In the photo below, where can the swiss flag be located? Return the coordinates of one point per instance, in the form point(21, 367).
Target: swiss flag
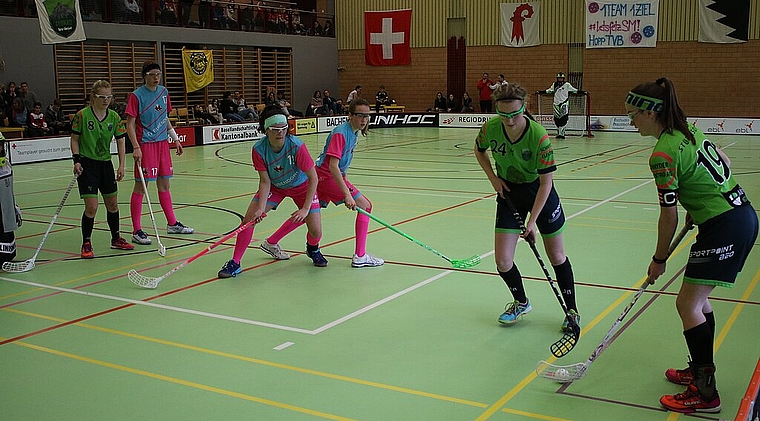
point(386, 37)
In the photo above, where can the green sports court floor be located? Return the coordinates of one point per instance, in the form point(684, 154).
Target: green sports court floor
point(415, 339)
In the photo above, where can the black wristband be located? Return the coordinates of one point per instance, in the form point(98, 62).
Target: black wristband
point(77, 158)
point(659, 261)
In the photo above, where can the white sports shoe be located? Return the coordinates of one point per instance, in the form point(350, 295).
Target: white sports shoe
point(274, 250)
point(178, 228)
point(367, 260)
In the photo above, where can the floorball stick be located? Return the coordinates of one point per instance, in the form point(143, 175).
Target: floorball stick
point(161, 248)
point(568, 373)
point(27, 265)
point(567, 342)
point(152, 283)
point(460, 264)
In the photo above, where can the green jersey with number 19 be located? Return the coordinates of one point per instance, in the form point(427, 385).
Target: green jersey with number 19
point(522, 161)
point(695, 175)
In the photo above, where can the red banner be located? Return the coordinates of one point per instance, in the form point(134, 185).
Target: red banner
point(386, 38)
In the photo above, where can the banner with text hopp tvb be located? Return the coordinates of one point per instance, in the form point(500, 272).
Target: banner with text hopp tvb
point(613, 24)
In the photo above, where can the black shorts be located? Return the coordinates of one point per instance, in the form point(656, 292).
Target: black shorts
point(96, 175)
point(551, 220)
point(722, 247)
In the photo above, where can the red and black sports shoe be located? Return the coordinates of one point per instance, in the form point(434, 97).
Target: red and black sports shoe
point(87, 250)
point(690, 401)
point(682, 377)
point(121, 244)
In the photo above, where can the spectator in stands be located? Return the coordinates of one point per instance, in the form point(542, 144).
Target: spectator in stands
point(501, 81)
point(285, 105)
point(185, 7)
point(467, 103)
point(340, 109)
point(36, 122)
point(231, 16)
point(381, 98)
point(259, 16)
point(120, 106)
point(228, 108)
point(317, 106)
point(9, 95)
point(4, 106)
point(328, 101)
point(316, 29)
point(485, 93)
point(298, 28)
point(439, 105)
point(167, 12)
point(29, 97)
point(271, 14)
point(55, 119)
point(271, 99)
point(356, 93)
point(328, 29)
point(19, 114)
point(242, 108)
point(203, 116)
point(204, 13)
point(213, 110)
point(452, 105)
point(132, 11)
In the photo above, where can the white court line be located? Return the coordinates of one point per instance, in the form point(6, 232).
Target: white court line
point(282, 346)
point(290, 328)
point(161, 306)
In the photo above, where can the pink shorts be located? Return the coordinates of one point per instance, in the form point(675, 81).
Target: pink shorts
point(156, 161)
point(328, 191)
point(298, 194)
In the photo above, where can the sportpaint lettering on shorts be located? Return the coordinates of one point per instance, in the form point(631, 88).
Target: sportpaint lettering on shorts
point(722, 252)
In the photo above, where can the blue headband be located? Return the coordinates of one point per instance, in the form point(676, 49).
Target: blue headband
point(275, 119)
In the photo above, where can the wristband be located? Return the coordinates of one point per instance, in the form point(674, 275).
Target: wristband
point(76, 158)
point(659, 261)
point(173, 134)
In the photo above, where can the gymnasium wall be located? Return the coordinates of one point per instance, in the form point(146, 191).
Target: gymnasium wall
point(27, 59)
point(712, 79)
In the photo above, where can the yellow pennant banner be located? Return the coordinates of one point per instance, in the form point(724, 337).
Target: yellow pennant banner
point(199, 68)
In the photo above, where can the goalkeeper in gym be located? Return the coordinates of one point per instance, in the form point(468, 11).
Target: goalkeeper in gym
point(561, 90)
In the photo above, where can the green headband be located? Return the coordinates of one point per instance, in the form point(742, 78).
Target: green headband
point(513, 113)
point(644, 102)
point(275, 119)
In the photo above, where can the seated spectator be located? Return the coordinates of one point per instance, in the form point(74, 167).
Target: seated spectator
point(467, 103)
point(285, 105)
point(213, 110)
point(271, 99)
point(328, 31)
point(55, 119)
point(439, 105)
point(201, 114)
point(19, 114)
point(228, 108)
point(452, 105)
point(298, 28)
point(340, 109)
point(317, 106)
point(242, 108)
point(316, 29)
point(329, 102)
point(11, 92)
point(36, 125)
point(381, 98)
point(271, 20)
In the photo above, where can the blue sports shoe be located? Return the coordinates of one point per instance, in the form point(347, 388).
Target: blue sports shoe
point(317, 258)
point(513, 311)
point(229, 270)
point(576, 318)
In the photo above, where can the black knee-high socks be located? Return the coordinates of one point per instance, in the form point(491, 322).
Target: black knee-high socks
point(514, 282)
point(699, 340)
point(566, 282)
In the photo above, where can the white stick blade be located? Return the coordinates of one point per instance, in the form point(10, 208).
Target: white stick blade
point(142, 280)
point(561, 374)
point(161, 250)
point(19, 267)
